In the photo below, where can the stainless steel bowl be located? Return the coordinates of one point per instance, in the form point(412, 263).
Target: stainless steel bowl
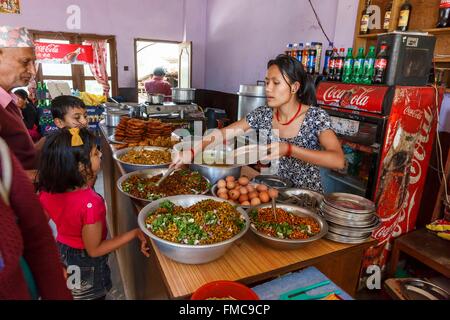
point(273, 181)
point(130, 167)
point(189, 254)
point(205, 164)
point(214, 193)
point(287, 244)
point(302, 197)
point(215, 173)
point(145, 174)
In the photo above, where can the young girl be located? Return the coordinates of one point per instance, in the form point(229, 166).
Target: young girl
point(70, 161)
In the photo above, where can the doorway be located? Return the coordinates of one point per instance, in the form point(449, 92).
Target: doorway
point(174, 57)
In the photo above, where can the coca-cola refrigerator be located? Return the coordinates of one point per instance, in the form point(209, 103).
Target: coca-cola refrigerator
point(387, 134)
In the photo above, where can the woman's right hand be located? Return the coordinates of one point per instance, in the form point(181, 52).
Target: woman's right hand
point(181, 157)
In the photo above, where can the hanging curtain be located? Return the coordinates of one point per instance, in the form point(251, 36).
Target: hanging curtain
point(98, 68)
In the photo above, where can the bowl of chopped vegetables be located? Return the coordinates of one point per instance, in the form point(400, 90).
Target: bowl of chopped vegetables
point(193, 229)
point(141, 185)
point(290, 227)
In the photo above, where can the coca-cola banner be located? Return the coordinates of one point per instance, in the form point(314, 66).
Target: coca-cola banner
point(404, 164)
point(64, 53)
point(352, 96)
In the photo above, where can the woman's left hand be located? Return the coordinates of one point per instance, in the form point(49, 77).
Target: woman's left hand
point(276, 150)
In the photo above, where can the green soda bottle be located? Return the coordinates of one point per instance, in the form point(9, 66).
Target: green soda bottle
point(358, 67)
point(348, 66)
point(369, 69)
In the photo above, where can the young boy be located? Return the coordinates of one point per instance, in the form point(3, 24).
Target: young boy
point(69, 112)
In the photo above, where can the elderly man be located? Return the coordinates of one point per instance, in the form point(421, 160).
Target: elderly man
point(17, 68)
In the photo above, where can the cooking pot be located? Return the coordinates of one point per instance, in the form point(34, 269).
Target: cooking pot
point(155, 98)
point(112, 116)
point(183, 95)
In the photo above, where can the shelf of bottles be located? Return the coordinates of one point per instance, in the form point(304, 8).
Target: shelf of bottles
point(362, 69)
point(46, 123)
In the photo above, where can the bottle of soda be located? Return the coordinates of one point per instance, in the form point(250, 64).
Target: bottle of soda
point(311, 69)
point(305, 55)
point(300, 51)
point(348, 66)
point(339, 66)
point(333, 58)
point(444, 14)
point(381, 64)
point(326, 63)
point(358, 67)
point(288, 49)
point(294, 51)
point(404, 17)
point(365, 18)
point(368, 66)
point(318, 47)
point(387, 16)
point(39, 91)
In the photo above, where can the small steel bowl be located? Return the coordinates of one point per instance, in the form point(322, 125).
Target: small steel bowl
point(145, 174)
point(184, 253)
point(302, 197)
point(287, 244)
point(130, 167)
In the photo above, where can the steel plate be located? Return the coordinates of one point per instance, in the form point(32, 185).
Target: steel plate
point(349, 202)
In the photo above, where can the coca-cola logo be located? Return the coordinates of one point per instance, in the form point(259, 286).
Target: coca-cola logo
point(414, 113)
point(49, 48)
point(359, 98)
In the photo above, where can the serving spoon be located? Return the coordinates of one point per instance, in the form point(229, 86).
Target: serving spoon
point(165, 175)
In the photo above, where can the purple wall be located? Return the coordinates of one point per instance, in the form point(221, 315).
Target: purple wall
point(243, 35)
point(151, 19)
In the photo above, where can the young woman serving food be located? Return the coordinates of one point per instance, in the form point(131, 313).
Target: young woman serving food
point(299, 134)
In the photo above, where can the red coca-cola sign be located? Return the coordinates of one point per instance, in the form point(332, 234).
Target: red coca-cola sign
point(444, 4)
point(349, 96)
point(64, 53)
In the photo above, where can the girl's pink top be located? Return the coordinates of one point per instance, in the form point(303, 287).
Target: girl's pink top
point(71, 211)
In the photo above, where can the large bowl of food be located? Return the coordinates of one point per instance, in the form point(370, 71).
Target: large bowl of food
point(141, 185)
point(141, 158)
point(193, 229)
point(290, 227)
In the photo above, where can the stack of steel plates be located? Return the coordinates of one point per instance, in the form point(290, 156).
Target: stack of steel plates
point(350, 218)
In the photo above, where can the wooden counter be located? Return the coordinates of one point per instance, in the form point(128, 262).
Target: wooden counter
point(247, 261)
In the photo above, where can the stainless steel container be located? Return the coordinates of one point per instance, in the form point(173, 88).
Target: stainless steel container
point(112, 116)
point(130, 167)
point(155, 98)
point(250, 98)
point(183, 95)
point(286, 244)
point(184, 253)
point(208, 164)
point(149, 173)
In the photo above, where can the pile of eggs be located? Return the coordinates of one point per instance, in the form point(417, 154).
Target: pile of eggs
point(244, 193)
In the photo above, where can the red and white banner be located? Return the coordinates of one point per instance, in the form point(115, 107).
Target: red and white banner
point(352, 96)
point(64, 53)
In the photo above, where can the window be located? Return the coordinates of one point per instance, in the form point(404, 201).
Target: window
point(79, 77)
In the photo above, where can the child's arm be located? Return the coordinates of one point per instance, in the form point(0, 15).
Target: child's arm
point(96, 247)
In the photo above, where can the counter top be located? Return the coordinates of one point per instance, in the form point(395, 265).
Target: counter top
point(249, 261)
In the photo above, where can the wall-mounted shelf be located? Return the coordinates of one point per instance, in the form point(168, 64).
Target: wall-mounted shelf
point(438, 31)
point(369, 36)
